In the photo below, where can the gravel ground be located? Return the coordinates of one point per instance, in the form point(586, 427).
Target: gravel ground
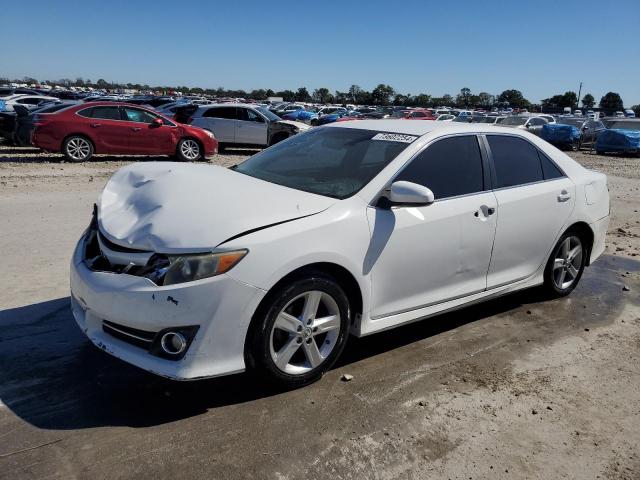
point(513, 388)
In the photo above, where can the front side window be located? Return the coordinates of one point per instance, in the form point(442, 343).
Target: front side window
point(137, 115)
point(249, 115)
point(449, 167)
point(335, 162)
point(516, 161)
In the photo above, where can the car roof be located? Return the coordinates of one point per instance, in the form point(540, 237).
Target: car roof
point(418, 128)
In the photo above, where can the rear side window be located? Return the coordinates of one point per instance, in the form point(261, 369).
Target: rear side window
point(549, 169)
point(449, 167)
point(104, 113)
point(221, 112)
point(516, 161)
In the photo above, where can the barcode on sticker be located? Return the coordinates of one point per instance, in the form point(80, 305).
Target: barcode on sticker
point(394, 137)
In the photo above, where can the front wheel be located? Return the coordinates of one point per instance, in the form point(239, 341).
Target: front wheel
point(188, 150)
point(300, 332)
point(565, 266)
point(77, 149)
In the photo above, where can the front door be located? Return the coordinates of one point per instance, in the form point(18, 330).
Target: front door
point(146, 138)
point(251, 127)
point(535, 199)
point(420, 256)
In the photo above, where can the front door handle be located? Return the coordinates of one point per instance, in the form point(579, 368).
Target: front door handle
point(564, 196)
point(96, 125)
point(485, 211)
point(135, 129)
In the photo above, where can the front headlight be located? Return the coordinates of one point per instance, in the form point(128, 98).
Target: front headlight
point(187, 268)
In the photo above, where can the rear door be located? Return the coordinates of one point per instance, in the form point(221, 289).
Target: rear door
point(251, 127)
point(221, 120)
point(535, 200)
point(106, 128)
point(146, 138)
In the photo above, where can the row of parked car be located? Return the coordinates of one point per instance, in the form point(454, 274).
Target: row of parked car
point(164, 125)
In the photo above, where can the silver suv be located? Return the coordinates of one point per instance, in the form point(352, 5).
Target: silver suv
point(239, 124)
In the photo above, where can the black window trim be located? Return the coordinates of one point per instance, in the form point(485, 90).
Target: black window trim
point(91, 107)
point(494, 177)
point(487, 182)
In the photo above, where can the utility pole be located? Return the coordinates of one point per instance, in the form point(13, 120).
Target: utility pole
point(579, 92)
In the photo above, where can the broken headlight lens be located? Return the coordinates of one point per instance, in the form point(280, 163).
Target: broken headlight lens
point(187, 268)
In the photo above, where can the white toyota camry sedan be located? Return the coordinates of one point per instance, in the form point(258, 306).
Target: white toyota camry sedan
point(193, 270)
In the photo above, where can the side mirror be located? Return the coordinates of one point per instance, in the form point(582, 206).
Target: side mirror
point(157, 122)
point(409, 193)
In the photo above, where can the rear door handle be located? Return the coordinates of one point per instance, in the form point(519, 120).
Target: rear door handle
point(136, 129)
point(564, 196)
point(486, 211)
point(96, 125)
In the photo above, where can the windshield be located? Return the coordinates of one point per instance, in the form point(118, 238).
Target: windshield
point(268, 113)
point(335, 162)
point(514, 121)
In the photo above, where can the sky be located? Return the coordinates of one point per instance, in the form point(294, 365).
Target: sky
point(539, 47)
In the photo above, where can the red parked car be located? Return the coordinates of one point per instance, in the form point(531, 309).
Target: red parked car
point(119, 128)
point(419, 114)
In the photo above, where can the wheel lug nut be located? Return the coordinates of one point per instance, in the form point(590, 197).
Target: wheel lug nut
point(308, 341)
point(309, 322)
point(315, 329)
point(299, 328)
point(299, 340)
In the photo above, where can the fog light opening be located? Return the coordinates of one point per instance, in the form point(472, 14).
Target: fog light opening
point(173, 343)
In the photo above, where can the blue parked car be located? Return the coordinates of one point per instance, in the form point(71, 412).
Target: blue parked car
point(306, 116)
point(561, 135)
point(622, 135)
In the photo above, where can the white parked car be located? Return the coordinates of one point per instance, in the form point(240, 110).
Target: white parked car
point(29, 101)
point(193, 270)
point(445, 117)
point(240, 124)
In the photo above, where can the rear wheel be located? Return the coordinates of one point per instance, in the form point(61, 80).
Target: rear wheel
point(566, 264)
point(77, 149)
point(300, 332)
point(188, 150)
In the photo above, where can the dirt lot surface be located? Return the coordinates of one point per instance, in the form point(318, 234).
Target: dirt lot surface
point(516, 388)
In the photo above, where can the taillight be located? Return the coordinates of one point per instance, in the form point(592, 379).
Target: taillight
point(39, 120)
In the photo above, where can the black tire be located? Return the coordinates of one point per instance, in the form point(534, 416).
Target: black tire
point(599, 152)
point(278, 137)
point(78, 148)
point(556, 283)
point(189, 150)
point(221, 147)
point(262, 334)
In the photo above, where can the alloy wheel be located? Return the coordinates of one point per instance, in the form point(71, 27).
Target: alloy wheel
point(78, 148)
point(567, 262)
point(190, 149)
point(305, 332)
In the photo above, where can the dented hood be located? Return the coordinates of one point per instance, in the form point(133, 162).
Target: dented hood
point(172, 207)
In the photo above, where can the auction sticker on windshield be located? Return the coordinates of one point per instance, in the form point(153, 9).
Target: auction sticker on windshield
point(394, 137)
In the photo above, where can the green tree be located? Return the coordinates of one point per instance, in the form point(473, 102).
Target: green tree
point(485, 99)
point(354, 92)
point(322, 95)
point(302, 95)
point(513, 98)
point(463, 98)
point(381, 94)
point(588, 101)
point(611, 102)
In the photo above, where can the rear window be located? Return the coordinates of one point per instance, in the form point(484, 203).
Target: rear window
point(516, 161)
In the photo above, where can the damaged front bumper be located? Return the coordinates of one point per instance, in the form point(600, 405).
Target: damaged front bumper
point(123, 314)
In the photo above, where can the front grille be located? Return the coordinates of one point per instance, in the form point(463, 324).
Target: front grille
point(133, 336)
